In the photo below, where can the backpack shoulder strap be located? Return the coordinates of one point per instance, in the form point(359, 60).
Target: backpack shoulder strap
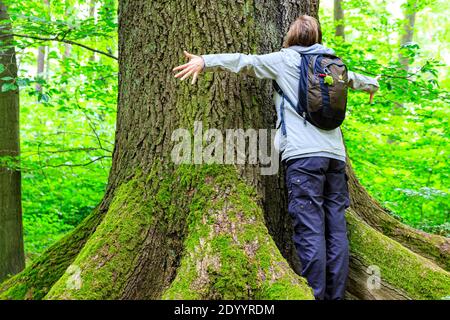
point(303, 83)
point(281, 93)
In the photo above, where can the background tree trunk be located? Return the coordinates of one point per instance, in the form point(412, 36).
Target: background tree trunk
point(40, 64)
point(211, 231)
point(92, 15)
point(41, 55)
point(408, 30)
point(339, 19)
point(68, 47)
point(11, 240)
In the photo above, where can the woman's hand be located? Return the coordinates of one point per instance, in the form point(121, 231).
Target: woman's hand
point(373, 93)
point(193, 67)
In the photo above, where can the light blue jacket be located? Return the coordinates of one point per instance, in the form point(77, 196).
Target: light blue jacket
point(283, 67)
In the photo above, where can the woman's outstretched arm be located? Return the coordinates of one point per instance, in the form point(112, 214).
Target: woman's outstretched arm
point(261, 66)
point(264, 66)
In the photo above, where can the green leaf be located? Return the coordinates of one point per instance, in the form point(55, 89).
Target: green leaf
point(42, 97)
point(9, 87)
point(22, 82)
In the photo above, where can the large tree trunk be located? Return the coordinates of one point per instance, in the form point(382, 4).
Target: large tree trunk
point(11, 240)
point(210, 231)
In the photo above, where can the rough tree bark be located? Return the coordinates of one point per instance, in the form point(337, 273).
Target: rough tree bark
point(11, 240)
point(210, 231)
point(338, 15)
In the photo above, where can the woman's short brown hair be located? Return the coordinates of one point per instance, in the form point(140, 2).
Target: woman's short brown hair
point(304, 31)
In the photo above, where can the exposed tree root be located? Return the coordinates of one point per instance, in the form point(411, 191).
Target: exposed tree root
point(200, 233)
point(403, 273)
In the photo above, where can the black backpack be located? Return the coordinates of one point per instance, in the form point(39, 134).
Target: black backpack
point(322, 91)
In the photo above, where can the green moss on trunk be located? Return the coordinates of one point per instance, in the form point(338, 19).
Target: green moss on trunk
point(229, 253)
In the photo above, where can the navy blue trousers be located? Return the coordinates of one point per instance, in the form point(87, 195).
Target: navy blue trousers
point(318, 196)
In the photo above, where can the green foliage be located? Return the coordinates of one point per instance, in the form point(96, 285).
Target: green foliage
point(67, 113)
point(399, 144)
